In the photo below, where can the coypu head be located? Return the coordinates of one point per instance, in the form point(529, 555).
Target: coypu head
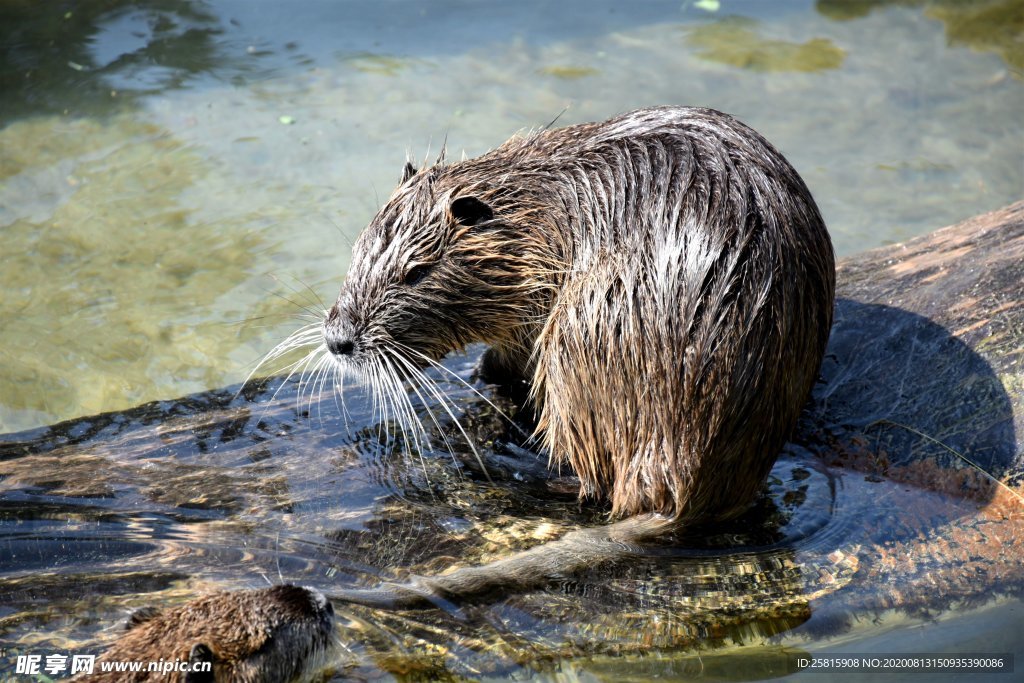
point(281, 633)
point(439, 267)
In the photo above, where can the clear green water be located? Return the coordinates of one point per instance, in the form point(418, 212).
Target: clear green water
point(161, 224)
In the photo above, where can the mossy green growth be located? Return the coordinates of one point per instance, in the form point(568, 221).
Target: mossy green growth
point(381, 65)
point(984, 25)
point(569, 73)
point(735, 42)
point(110, 284)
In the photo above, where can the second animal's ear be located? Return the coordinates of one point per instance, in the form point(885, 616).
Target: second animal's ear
point(140, 616)
point(408, 172)
point(200, 654)
point(470, 211)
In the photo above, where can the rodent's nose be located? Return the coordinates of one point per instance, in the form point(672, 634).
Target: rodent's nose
point(339, 344)
point(339, 332)
point(343, 347)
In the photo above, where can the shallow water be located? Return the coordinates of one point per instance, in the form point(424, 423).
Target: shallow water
point(180, 181)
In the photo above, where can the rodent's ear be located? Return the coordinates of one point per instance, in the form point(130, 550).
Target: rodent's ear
point(408, 172)
point(470, 211)
point(200, 653)
point(140, 616)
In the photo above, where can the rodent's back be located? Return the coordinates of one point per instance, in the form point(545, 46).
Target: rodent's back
point(693, 315)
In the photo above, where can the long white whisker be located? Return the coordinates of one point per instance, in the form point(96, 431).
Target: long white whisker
point(382, 423)
point(317, 384)
point(414, 423)
point(416, 377)
point(469, 441)
point(303, 336)
point(417, 381)
point(451, 373)
point(395, 393)
point(311, 308)
point(292, 368)
point(304, 377)
point(315, 301)
point(328, 383)
point(294, 343)
point(338, 390)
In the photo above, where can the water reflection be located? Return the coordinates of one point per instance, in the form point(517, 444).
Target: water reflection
point(104, 53)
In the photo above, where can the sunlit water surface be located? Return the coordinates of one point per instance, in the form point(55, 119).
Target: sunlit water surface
point(180, 181)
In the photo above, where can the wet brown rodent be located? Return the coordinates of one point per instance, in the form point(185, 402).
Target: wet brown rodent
point(662, 281)
point(269, 635)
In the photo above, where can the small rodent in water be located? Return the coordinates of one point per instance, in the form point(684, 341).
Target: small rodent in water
point(269, 635)
point(662, 281)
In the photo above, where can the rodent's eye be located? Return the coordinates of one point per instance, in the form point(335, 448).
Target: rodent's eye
point(416, 274)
